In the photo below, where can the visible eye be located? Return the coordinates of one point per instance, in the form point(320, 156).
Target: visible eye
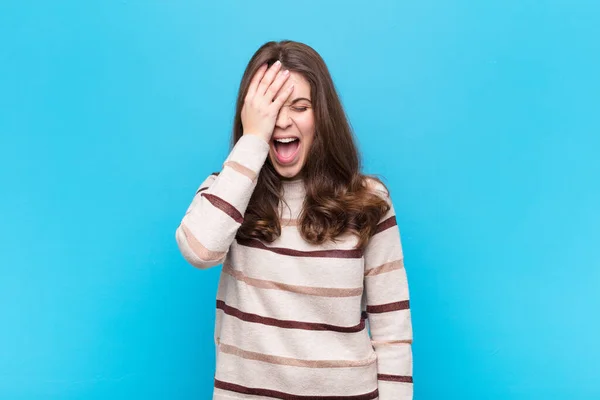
point(300, 109)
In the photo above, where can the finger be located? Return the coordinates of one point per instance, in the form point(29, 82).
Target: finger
point(266, 81)
point(283, 96)
point(272, 91)
point(260, 72)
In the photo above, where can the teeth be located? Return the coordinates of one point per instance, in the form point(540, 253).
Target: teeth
point(286, 140)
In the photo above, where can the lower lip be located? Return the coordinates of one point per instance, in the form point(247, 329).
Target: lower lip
point(288, 160)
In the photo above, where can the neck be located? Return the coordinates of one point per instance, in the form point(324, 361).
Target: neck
point(293, 188)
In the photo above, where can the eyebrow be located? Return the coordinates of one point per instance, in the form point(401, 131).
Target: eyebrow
point(298, 99)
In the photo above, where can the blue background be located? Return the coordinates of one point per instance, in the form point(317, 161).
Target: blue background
point(481, 116)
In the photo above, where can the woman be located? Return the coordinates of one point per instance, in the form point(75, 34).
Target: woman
point(311, 253)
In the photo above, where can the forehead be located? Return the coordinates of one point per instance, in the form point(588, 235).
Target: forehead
point(301, 86)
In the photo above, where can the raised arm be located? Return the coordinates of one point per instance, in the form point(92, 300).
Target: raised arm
point(217, 210)
point(210, 223)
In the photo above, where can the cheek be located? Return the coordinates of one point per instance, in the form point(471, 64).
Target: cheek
point(308, 141)
point(307, 127)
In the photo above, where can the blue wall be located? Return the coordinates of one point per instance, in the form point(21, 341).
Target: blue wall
point(482, 117)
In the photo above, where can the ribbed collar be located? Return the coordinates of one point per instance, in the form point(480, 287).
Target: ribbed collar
point(293, 189)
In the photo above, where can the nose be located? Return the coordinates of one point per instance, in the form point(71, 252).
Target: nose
point(283, 118)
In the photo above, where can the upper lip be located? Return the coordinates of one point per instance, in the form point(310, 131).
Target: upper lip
point(285, 137)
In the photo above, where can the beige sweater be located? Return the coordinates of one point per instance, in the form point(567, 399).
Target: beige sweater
point(295, 320)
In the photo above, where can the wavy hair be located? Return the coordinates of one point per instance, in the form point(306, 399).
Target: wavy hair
point(339, 198)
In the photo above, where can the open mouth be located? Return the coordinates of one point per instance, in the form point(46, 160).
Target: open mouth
point(286, 149)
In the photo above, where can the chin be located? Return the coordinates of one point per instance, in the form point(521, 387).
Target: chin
point(287, 172)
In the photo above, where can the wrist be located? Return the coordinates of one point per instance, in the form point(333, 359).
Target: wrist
point(264, 139)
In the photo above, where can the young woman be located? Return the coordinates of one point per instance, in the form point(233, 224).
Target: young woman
point(313, 300)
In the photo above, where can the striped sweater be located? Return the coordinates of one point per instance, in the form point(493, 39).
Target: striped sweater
point(296, 320)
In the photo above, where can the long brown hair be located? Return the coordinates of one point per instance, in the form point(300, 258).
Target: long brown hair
point(338, 197)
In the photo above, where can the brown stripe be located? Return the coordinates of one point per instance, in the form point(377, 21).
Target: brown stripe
point(352, 253)
point(390, 342)
point(310, 326)
point(202, 189)
point(399, 305)
point(388, 223)
point(387, 267)
point(395, 378)
point(289, 222)
point(295, 362)
point(288, 396)
point(224, 206)
point(216, 173)
point(241, 169)
point(202, 252)
point(309, 290)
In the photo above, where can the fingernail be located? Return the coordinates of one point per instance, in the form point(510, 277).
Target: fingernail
point(277, 63)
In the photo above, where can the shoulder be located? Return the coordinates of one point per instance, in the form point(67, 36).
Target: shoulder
point(376, 186)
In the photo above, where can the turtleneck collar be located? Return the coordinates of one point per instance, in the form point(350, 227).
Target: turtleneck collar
point(293, 189)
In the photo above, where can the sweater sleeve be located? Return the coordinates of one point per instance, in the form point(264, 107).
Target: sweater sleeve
point(387, 305)
point(217, 210)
